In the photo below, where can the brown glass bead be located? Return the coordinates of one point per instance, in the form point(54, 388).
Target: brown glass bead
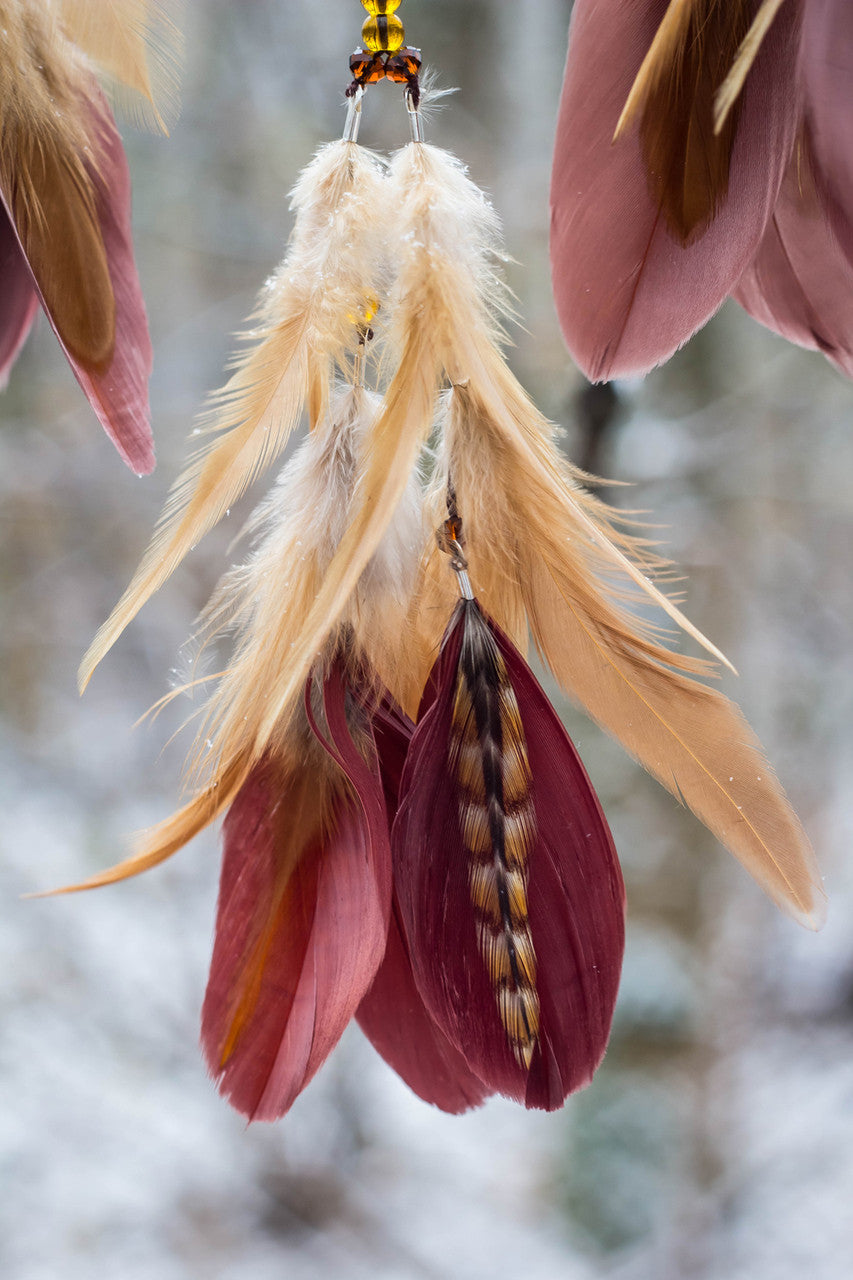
point(383, 35)
point(403, 66)
point(367, 68)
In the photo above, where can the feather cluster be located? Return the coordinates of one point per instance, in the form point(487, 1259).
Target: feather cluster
point(411, 838)
point(703, 151)
point(65, 237)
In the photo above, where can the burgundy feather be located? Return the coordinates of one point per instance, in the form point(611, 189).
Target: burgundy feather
point(18, 300)
point(297, 946)
point(117, 390)
point(393, 1015)
point(628, 293)
point(575, 893)
point(801, 282)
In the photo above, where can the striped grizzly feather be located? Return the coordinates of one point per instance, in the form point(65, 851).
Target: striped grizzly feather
point(488, 756)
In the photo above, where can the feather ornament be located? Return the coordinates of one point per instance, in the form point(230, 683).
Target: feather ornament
point(305, 323)
point(65, 193)
point(451, 883)
point(509, 887)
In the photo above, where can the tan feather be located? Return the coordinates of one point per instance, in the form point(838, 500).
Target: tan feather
point(138, 44)
point(732, 87)
point(687, 158)
point(307, 320)
point(529, 552)
point(45, 153)
point(265, 601)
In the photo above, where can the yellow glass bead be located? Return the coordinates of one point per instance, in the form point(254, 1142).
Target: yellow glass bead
point(381, 7)
point(383, 35)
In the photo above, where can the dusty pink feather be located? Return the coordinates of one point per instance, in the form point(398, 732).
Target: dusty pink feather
point(576, 898)
point(628, 293)
point(827, 71)
point(801, 281)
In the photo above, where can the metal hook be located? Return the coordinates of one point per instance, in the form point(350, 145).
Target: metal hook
point(353, 122)
point(415, 120)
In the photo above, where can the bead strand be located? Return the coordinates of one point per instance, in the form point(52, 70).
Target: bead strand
point(384, 56)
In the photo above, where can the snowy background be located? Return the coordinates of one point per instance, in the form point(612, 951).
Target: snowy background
point(717, 1140)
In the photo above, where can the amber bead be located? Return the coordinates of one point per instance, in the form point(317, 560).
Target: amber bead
point(383, 35)
point(378, 8)
point(367, 69)
point(404, 66)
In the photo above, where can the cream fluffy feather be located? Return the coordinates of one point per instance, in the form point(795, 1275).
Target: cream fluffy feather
point(306, 323)
point(262, 605)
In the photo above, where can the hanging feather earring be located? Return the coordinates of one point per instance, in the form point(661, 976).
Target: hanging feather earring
point(484, 951)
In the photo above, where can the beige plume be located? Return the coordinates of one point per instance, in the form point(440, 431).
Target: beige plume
point(137, 44)
point(307, 321)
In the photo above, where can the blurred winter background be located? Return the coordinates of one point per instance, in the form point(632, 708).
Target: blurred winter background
point(717, 1140)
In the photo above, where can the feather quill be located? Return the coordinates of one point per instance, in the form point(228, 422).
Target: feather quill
point(306, 321)
point(732, 87)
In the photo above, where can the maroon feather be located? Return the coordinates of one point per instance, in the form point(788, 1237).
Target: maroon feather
point(393, 1015)
point(18, 301)
point(628, 293)
point(801, 282)
point(297, 945)
point(118, 392)
point(575, 893)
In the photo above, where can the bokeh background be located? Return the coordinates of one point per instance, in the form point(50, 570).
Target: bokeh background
point(717, 1139)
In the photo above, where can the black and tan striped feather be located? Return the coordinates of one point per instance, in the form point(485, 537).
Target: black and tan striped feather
point(488, 756)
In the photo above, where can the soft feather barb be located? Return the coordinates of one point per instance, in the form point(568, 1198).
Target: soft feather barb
point(138, 45)
point(307, 321)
